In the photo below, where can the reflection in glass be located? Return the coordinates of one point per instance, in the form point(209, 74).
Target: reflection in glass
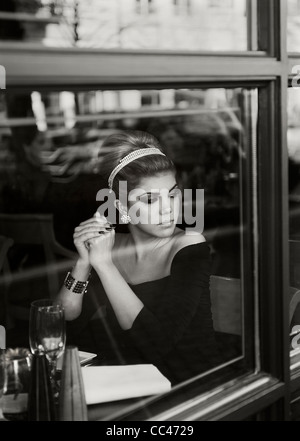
point(3, 381)
point(293, 27)
point(129, 24)
point(51, 144)
point(294, 210)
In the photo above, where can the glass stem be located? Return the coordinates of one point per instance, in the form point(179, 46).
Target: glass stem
point(53, 363)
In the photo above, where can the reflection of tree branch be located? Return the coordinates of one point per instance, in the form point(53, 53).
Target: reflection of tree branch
point(119, 31)
point(65, 28)
point(128, 25)
point(76, 22)
point(72, 17)
point(90, 34)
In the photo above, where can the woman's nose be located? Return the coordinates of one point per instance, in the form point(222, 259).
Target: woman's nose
point(165, 205)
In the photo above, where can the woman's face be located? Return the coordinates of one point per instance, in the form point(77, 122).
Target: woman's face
point(154, 205)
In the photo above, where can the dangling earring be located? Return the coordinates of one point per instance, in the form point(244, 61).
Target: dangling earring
point(125, 218)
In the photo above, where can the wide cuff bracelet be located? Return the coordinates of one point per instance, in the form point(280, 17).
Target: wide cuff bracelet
point(74, 285)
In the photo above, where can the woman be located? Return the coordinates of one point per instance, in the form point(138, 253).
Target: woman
point(154, 280)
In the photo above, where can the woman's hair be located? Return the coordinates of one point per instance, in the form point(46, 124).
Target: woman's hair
point(123, 143)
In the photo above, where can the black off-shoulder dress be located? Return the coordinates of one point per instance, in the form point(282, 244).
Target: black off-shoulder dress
point(174, 330)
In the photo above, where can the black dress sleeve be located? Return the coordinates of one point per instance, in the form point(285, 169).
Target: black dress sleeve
point(156, 332)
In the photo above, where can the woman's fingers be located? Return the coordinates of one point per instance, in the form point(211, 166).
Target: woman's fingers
point(101, 238)
point(93, 220)
point(92, 226)
point(85, 235)
point(91, 230)
point(97, 218)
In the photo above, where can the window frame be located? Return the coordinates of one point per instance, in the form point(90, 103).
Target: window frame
point(269, 388)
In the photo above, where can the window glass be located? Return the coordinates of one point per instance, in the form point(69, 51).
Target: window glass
point(51, 159)
point(293, 9)
point(294, 201)
point(130, 24)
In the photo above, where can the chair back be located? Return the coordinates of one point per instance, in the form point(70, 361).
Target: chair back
point(28, 229)
point(226, 301)
point(37, 229)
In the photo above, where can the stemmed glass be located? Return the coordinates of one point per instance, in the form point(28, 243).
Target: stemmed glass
point(47, 333)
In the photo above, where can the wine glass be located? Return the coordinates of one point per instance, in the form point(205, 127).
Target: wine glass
point(3, 382)
point(47, 333)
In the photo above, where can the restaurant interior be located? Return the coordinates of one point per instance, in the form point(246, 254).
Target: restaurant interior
point(217, 83)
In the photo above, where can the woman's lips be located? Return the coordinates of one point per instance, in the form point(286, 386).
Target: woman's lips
point(167, 223)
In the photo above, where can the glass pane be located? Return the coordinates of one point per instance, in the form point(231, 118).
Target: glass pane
point(52, 154)
point(294, 200)
point(293, 39)
point(209, 25)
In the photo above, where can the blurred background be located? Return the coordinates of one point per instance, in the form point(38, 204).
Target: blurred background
point(54, 118)
point(51, 136)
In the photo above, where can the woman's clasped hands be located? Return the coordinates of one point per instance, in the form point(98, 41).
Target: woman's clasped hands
point(94, 240)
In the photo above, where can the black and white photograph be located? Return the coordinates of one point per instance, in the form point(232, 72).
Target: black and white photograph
point(149, 213)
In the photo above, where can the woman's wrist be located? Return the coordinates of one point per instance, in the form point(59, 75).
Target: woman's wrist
point(81, 269)
point(104, 267)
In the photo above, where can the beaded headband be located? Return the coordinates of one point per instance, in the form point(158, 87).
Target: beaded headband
point(129, 158)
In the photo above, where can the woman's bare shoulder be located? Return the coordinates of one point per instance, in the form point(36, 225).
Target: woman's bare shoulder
point(183, 239)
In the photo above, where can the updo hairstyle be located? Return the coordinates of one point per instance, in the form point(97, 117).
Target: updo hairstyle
point(123, 143)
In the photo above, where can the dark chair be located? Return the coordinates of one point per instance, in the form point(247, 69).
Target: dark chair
point(30, 232)
point(226, 303)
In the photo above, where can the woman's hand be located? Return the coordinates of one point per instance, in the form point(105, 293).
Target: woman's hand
point(100, 247)
point(89, 230)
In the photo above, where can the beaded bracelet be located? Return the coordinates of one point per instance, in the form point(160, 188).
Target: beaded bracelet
point(74, 285)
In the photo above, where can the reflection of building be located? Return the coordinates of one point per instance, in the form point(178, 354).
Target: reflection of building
point(294, 124)
point(168, 24)
point(293, 25)
point(131, 24)
point(246, 215)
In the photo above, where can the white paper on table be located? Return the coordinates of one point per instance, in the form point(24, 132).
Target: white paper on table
point(112, 383)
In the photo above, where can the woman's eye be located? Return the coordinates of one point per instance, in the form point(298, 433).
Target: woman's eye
point(152, 199)
point(148, 199)
point(174, 193)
